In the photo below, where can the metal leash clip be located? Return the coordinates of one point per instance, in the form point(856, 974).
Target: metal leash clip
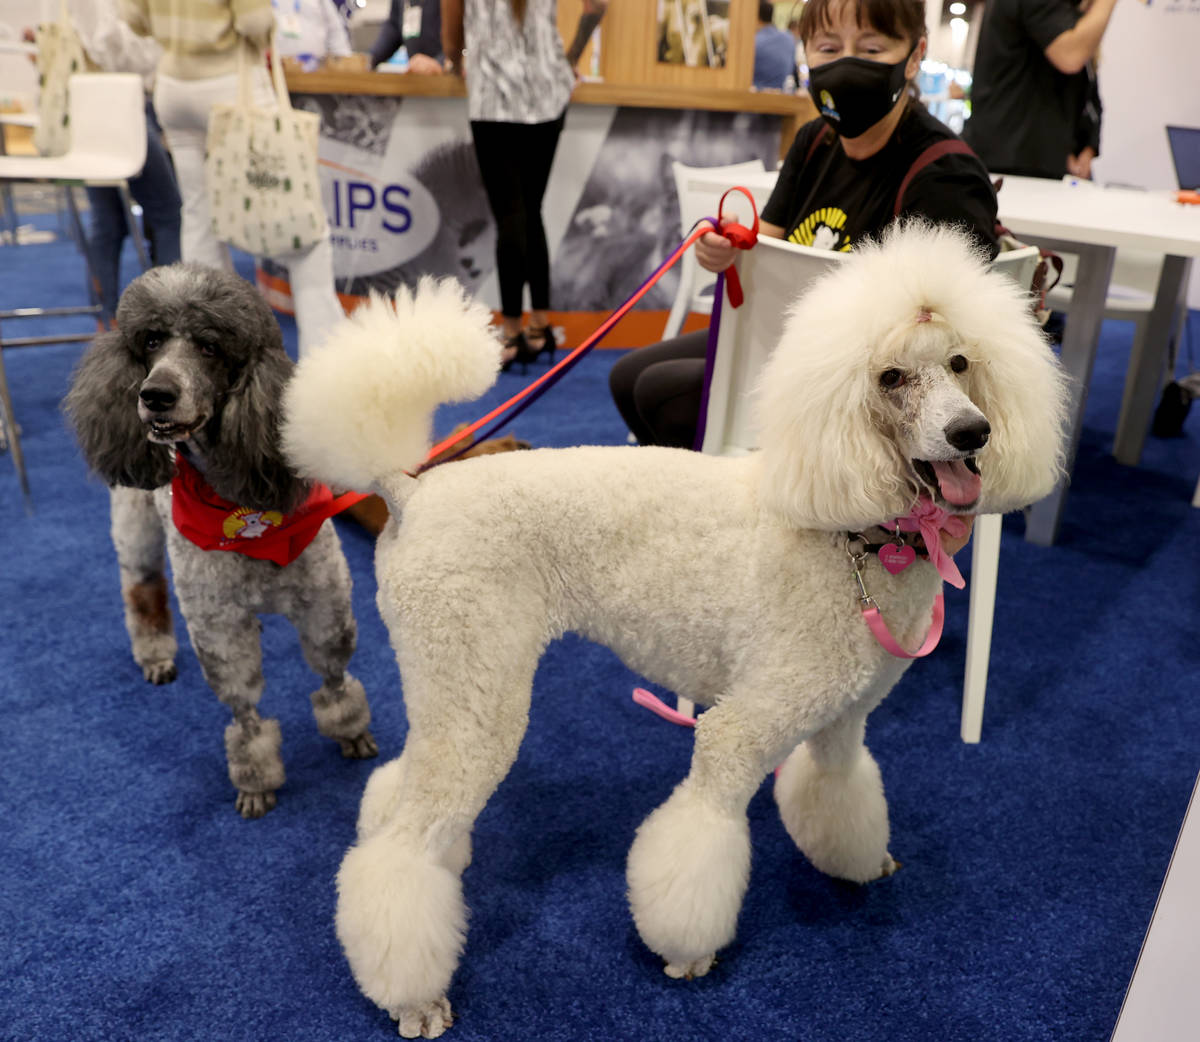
point(858, 561)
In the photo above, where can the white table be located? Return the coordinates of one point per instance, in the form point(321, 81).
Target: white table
point(1092, 222)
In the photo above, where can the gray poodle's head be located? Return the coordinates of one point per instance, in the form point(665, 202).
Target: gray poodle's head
point(196, 362)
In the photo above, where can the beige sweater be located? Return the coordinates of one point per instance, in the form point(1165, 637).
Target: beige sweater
point(200, 38)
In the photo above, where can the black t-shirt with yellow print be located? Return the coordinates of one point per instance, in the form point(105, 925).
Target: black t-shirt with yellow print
point(832, 201)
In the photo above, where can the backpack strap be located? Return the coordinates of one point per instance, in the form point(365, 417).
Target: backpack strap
point(946, 147)
point(819, 138)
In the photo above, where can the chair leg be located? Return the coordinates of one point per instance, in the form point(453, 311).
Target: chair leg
point(1196, 497)
point(135, 230)
point(985, 567)
point(81, 239)
point(8, 420)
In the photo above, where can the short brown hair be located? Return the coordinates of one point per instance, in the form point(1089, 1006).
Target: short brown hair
point(900, 19)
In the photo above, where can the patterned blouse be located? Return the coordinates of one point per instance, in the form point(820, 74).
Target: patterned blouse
point(515, 74)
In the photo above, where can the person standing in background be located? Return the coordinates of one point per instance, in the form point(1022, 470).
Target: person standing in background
point(417, 26)
point(774, 51)
point(519, 81)
point(203, 42)
point(113, 46)
point(1030, 84)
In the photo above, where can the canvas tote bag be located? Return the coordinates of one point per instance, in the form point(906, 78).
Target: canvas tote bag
point(260, 171)
point(59, 57)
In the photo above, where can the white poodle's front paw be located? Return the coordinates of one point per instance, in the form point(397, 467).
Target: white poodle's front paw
point(690, 970)
point(426, 1021)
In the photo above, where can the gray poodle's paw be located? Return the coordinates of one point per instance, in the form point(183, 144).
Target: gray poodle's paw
point(425, 1021)
point(251, 805)
point(690, 970)
point(159, 672)
point(361, 748)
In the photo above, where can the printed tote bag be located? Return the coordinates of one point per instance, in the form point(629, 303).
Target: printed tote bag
point(261, 172)
point(59, 57)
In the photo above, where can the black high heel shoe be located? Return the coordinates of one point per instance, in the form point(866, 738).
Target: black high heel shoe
point(522, 353)
point(548, 343)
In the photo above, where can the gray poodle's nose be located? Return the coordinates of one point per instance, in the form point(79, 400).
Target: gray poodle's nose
point(968, 435)
point(158, 398)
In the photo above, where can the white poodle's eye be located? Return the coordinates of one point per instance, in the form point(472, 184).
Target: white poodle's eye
point(891, 378)
point(958, 364)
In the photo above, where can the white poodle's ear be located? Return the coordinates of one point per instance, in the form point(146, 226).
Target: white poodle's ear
point(828, 460)
point(1025, 394)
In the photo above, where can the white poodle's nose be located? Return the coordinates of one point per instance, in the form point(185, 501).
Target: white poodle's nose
point(968, 434)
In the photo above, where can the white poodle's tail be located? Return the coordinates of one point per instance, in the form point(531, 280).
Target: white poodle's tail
point(358, 410)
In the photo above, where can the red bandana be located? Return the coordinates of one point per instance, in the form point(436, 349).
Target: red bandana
point(213, 523)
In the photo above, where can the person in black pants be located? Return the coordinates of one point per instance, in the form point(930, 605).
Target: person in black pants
point(846, 176)
point(519, 80)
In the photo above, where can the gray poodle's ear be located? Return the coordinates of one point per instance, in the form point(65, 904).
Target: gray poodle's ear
point(101, 407)
point(245, 462)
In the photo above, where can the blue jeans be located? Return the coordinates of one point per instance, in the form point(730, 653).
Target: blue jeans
point(158, 195)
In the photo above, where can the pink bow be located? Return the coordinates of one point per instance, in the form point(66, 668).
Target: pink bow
point(931, 520)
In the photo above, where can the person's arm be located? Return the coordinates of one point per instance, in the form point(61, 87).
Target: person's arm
point(1070, 51)
point(453, 40)
point(589, 18)
point(136, 14)
point(255, 20)
point(429, 41)
point(337, 36)
point(110, 41)
point(389, 38)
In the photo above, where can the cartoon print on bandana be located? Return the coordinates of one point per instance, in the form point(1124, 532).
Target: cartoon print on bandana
point(250, 524)
point(823, 229)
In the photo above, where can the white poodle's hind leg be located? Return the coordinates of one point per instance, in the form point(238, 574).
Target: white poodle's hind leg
point(140, 542)
point(830, 797)
point(327, 637)
point(401, 916)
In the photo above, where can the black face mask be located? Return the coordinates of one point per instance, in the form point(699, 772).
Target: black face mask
point(853, 94)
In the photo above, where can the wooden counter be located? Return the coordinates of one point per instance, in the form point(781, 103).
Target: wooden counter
point(794, 110)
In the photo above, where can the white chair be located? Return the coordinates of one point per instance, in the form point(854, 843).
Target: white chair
point(697, 200)
point(108, 146)
point(773, 273)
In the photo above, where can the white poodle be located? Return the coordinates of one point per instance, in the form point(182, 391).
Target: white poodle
point(909, 371)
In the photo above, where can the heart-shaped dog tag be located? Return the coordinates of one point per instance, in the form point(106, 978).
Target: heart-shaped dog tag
point(896, 558)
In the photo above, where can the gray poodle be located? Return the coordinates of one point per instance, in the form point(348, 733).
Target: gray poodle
point(189, 386)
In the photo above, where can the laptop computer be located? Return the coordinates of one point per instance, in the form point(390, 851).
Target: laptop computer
point(1185, 151)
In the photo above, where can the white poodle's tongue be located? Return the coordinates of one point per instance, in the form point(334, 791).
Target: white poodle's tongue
point(959, 484)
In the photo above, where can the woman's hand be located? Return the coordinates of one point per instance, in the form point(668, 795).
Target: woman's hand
point(715, 252)
point(423, 65)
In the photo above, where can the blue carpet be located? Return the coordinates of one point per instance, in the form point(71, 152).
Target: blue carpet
point(136, 904)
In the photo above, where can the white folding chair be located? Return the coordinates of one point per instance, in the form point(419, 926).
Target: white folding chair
point(108, 146)
point(772, 275)
point(697, 201)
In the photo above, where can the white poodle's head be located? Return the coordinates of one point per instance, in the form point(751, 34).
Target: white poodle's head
point(909, 369)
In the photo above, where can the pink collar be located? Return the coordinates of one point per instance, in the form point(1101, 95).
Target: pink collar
point(931, 520)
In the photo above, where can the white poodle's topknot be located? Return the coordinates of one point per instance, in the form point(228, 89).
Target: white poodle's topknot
point(361, 405)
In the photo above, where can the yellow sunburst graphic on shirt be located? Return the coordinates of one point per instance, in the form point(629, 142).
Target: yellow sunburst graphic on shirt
point(822, 229)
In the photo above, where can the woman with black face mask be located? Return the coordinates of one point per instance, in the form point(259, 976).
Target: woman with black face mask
point(876, 153)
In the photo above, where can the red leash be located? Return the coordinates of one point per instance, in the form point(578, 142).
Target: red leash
point(741, 237)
